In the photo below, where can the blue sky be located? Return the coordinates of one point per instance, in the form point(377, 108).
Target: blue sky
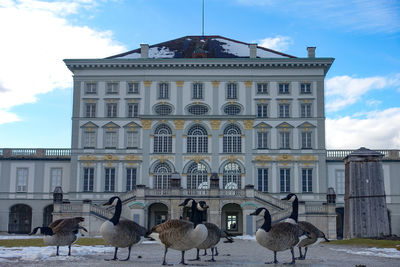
point(362, 87)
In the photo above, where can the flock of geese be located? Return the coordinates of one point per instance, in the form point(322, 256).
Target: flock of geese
point(183, 235)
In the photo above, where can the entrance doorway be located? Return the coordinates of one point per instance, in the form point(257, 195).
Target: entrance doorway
point(232, 219)
point(158, 213)
point(47, 215)
point(20, 219)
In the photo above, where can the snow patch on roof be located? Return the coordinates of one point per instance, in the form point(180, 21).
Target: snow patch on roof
point(132, 55)
point(161, 52)
point(234, 48)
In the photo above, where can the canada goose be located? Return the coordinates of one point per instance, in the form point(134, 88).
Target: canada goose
point(314, 235)
point(180, 234)
point(121, 233)
point(213, 237)
point(61, 232)
point(278, 237)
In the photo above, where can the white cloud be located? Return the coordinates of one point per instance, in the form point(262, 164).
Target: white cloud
point(6, 117)
point(278, 43)
point(36, 37)
point(378, 130)
point(342, 91)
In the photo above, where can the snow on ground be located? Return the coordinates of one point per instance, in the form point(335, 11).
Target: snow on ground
point(3, 237)
point(246, 237)
point(377, 252)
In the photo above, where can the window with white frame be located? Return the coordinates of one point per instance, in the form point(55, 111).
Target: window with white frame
point(90, 110)
point(111, 138)
point(91, 88)
point(197, 91)
point(306, 140)
point(197, 176)
point(262, 179)
point(340, 181)
point(284, 110)
point(305, 88)
point(109, 180)
point(89, 138)
point(163, 91)
point(133, 88)
point(88, 179)
point(231, 91)
point(232, 176)
point(284, 180)
point(197, 140)
point(112, 87)
point(283, 88)
point(232, 139)
point(262, 110)
point(284, 139)
point(55, 178)
point(22, 179)
point(262, 88)
point(111, 110)
point(130, 179)
point(162, 176)
point(262, 139)
point(163, 139)
point(306, 178)
point(133, 110)
point(132, 138)
point(305, 110)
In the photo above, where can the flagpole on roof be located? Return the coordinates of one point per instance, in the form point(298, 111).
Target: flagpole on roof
point(202, 29)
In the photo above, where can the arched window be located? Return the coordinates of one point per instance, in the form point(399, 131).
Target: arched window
point(197, 176)
point(232, 176)
point(197, 140)
point(162, 176)
point(163, 139)
point(232, 140)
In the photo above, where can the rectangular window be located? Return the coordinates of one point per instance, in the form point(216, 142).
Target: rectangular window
point(306, 177)
point(263, 180)
point(284, 140)
point(231, 91)
point(306, 140)
point(133, 88)
point(285, 180)
point(305, 111)
point(340, 181)
point(305, 88)
point(163, 91)
point(133, 110)
point(262, 88)
point(109, 181)
point(130, 179)
point(88, 179)
point(56, 178)
point(132, 139)
point(232, 222)
point(112, 87)
point(262, 140)
point(22, 179)
point(111, 139)
point(90, 110)
point(91, 88)
point(90, 139)
point(197, 91)
point(112, 110)
point(283, 88)
point(284, 110)
point(262, 111)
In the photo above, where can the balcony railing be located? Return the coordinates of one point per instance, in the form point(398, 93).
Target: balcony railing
point(34, 153)
point(340, 154)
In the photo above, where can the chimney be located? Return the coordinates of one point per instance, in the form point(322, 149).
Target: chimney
point(144, 50)
point(311, 51)
point(253, 50)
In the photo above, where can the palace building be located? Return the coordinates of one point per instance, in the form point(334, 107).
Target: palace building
point(231, 123)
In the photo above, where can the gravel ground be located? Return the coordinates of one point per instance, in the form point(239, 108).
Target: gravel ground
point(239, 253)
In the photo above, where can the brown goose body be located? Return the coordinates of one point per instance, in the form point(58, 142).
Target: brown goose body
point(213, 236)
point(124, 234)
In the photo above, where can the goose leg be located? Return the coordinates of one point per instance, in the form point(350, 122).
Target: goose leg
point(197, 256)
point(165, 255)
point(57, 251)
point(216, 251)
point(115, 255)
point(129, 254)
point(69, 250)
point(293, 259)
point(305, 252)
point(205, 252)
point(275, 260)
point(301, 257)
point(212, 255)
point(183, 259)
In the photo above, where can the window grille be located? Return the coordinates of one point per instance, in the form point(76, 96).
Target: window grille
point(306, 175)
point(162, 176)
point(232, 139)
point(197, 176)
point(232, 176)
point(197, 140)
point(88, 179)
point(232, 110)
point(198, 109)
point(231, 91)
point(163, 110)
point(163, 139)
point(285, 180)
point(263, 180)
point(109, 180)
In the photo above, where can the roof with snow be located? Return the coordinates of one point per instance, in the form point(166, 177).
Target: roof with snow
point(202, 47)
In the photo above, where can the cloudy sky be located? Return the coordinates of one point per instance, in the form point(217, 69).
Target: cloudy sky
point(362, 87)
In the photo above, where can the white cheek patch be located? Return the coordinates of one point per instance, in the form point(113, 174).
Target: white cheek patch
point(199, 207)
point(293, 198)
point(262, 213)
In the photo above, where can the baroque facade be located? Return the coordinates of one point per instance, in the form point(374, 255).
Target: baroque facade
point(203, 116)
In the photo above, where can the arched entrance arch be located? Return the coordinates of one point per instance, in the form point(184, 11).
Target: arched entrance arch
point(232, 218)
point(20, 219)
point(157, 213)
point(47, 215)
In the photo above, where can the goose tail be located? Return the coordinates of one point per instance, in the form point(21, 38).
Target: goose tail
point(228, 237)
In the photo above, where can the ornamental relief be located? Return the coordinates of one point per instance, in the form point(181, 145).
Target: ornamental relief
point(146, 124)
point(215, 124)
point(163, 158)
point(88, 158)
point(248, 124)
point(232, 158)
point(179, 124)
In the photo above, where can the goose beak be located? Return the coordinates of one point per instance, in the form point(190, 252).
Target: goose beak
point(285, 198)
point(182, 204)
point(253, 213)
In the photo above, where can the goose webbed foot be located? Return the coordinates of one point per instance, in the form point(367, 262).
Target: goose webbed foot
point(300, 258)
point(272, 262)
point(113, 259)
point(125, 259)
point(211, 260)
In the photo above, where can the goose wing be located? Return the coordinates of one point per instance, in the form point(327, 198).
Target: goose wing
point(287, 234)
point(173, 230)
point(130, 230)
point(66, 225)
